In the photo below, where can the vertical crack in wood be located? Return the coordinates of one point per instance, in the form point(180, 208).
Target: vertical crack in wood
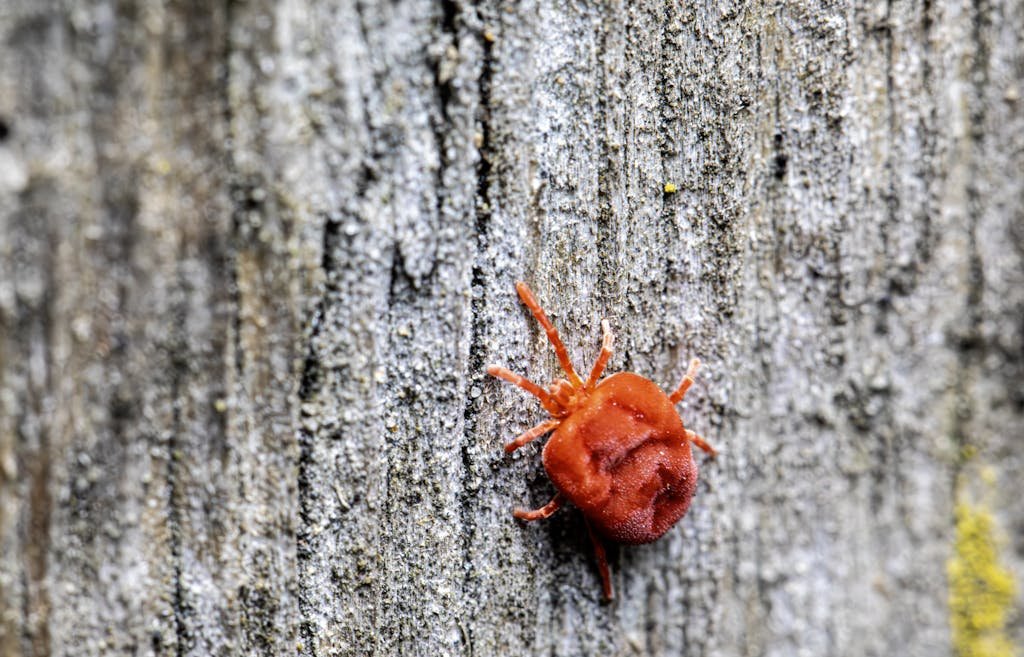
point(608, 267)
point(979, 72)
point(779, 170)
point(969, 339)
point(442, 128)
point(234, 188)
point(38, 604)
point(929, 168)
point(310, 383)
point(884, 450)
point(891, 201)
point(178, 369)
point(477, 348)
point(668, 119)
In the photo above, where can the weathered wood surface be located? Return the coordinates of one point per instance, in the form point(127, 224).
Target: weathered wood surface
point(255, 255)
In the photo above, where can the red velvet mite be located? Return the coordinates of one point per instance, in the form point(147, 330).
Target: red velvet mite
point(619, 450)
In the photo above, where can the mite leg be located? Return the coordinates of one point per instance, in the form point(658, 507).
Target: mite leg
point(602, 358)
point(545, 511)
point(699, 442)
point(532, 435)
point(563, 356)
point(686, 382)
point(602, 563)
point(524, 383)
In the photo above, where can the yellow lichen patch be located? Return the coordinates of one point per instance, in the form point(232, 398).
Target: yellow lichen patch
point(671, 188)
point(981, 591)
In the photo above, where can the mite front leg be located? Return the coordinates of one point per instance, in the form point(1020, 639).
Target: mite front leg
point(699, 442)
point(602, 358)
point(532, 435)
point(563, 356)
point(522, 382)
point(684, 385)
point(545, 511)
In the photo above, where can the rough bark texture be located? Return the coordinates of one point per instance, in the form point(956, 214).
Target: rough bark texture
point(255, 255)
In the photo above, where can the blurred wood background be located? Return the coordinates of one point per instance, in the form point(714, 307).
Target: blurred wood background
point(254, 256)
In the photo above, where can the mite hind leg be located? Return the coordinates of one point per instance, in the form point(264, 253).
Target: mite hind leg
point(545, 511)
point(602, 563)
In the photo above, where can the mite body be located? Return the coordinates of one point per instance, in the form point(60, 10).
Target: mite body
point(618, 451)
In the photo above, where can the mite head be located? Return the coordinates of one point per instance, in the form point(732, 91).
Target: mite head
point(563, 398)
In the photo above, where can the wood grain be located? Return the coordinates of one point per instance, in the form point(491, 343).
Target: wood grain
point(255, 256)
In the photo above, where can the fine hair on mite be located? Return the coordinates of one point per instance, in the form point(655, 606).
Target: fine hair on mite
point(618, 449)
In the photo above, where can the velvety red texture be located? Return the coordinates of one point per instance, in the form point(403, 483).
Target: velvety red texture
point(623, 458)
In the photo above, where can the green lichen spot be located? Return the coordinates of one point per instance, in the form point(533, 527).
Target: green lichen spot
point(981, 591)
